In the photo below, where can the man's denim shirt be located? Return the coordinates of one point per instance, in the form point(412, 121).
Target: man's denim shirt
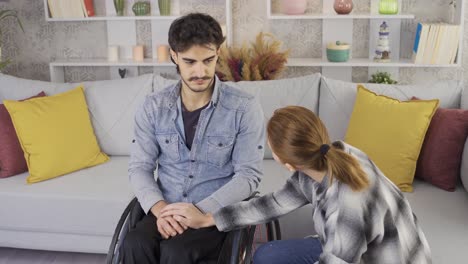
point(224, 165)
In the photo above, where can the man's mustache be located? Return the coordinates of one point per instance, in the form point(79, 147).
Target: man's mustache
point(201, 78)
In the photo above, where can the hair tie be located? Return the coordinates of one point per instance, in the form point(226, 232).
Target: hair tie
point(324, 149)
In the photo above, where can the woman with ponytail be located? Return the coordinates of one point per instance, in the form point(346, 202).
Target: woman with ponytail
point(360, 216)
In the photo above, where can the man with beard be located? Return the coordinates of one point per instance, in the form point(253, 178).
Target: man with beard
point(206, 140)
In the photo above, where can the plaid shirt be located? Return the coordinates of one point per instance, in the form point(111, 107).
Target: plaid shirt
point(372, 226)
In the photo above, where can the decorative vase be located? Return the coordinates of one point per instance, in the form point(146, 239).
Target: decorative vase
point(293, 7)
point(338, 51)
point(343, 7)
point(119, 7)
point(141, 8)
point(164, 7)
point(388, 7)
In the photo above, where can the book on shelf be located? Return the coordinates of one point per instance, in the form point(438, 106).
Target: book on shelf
point(88, 7)
point(436, 43)
point(70, 8)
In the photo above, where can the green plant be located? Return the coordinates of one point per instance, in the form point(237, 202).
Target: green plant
point(119, 7)
point(262, 61)
point(382, 77)
point(4, 14)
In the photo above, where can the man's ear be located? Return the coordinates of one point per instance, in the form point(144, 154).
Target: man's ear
point(290, 167)
point(173, 55)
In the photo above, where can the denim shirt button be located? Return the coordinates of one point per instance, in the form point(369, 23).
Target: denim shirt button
point(190, 176)
point(220, 144)
point(167, 141)
point(185, 195)
point(260, 147)
point(192, 160)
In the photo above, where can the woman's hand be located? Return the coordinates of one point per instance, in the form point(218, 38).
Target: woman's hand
point(188, 214)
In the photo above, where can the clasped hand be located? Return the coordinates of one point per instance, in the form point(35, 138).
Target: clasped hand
point(186, 214)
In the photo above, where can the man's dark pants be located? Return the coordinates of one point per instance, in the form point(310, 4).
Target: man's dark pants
point(144, 244)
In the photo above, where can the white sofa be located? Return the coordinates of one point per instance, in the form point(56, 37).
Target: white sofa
point(79, 211)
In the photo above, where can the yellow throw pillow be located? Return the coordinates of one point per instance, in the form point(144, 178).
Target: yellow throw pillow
point(391, 132)
point(56, 134)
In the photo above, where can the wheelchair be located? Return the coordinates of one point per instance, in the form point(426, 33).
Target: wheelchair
point(236, 249)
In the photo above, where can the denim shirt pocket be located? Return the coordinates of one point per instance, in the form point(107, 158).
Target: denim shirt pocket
point(219, 150)
point(169, 148)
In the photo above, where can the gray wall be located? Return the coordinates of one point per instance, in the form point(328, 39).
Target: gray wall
point(45, 41)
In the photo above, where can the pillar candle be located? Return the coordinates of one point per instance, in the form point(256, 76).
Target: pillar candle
point(138, 53)
point(113, 53)
point(163, 53)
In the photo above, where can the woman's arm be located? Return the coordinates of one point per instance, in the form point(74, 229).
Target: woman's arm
point(261, 209)
point(254, 211)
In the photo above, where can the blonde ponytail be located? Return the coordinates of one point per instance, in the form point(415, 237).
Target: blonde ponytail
point(345, 168)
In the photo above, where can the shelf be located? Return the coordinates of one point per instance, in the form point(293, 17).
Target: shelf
point(105, 62)
point(335, 16)
point(113, 18)
point(360, 62)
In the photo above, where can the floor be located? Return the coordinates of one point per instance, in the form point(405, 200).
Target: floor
point(25, 256)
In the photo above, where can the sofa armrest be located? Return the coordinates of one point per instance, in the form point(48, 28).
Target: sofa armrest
point(464, 166)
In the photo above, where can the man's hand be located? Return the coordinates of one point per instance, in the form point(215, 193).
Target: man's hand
point(167, 226)
point(188, 214)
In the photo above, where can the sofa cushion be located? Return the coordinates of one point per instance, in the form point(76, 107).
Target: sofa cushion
point(391, 132)
point(337, 99)
point(302, 91)
point(441, 153)
point(12, 160)
point(13, 88)
point(112, 104)
point(55, 134)
point(96, 196)
point(443, 218)
point(464, 165)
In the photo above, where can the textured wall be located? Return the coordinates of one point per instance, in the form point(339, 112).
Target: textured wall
point(45, 41)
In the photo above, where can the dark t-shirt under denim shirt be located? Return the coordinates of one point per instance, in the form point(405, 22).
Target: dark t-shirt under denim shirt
point(190, 123)
point(224, 164)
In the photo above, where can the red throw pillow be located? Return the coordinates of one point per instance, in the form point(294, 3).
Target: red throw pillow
point(440, 158)
point(12, 160)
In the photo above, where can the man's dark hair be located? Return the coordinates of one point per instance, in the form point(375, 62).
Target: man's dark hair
point(194, 29)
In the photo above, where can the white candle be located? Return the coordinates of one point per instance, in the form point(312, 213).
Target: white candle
point(113, 53)
point(138, 53)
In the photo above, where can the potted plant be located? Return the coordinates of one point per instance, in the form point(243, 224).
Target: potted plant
point(382, 77)
point(5, 14)
point(263, 60)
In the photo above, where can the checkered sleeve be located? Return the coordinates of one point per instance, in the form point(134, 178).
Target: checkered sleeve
point(262, 209)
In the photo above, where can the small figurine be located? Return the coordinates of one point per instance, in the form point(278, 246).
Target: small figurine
point(382, 52)
point(122, 73)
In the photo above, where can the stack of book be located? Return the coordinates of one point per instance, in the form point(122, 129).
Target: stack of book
point(436, 43)
point(71, 8)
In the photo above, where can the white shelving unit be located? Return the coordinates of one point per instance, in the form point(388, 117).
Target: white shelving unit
point(359, 62)
point(340, 27)
point(334, 16)
point(111, 18)
point(121, 31)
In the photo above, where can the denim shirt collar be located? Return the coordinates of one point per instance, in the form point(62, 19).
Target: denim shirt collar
point(175, 97)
